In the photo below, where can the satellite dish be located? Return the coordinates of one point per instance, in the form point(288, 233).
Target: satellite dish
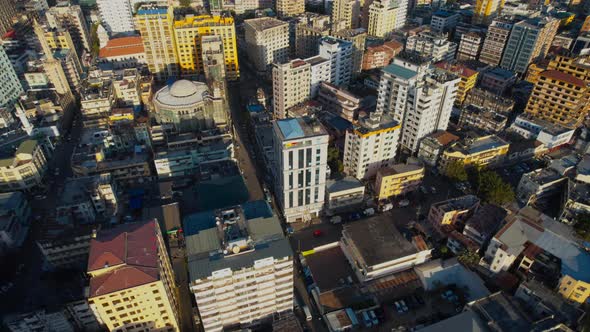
point(235, 249)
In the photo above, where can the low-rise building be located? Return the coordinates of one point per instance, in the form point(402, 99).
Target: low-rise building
point(398, 179)
point(432, 46)
point(539, 186)
point(488, 100)
point(375, 248)
point(65, 249)
point(450, 212)
point(15, 215)
point(87, 200)
point(497, 80)
point(344, 195)
point(530, 227)
point(550, 134)
point(484, 223)
point(123, 52)
point(339, 101)
point(576, 202)
point(443, 21)
point(480, 151)
point(481, 118)
point(23, 168)
point(432, 146)
point(381, 55)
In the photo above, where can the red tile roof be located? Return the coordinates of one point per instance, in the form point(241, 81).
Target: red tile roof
point(121, 47)
point(456, 68)
point(557, 75)
point(444, 137)
point(132, 249)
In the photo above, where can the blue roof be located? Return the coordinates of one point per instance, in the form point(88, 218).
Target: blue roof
point(255, 108)
point(290, 128)
point(196, 222)
point(257, 209)
point(152, 11)
point(399, 71)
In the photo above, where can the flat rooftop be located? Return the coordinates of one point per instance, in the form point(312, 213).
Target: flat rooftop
point(264, 23)
point(330, 269)
point(314, 60)
point(481, 144)
point(295, 128)
point(378, 240)
point(399, 71)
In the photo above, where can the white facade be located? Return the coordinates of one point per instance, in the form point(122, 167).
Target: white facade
point(370, 146)
point(444, 21)
point(290, 84)
point(435, 47)
point(417, 96)
point(10, 89)
point(301, 152)
point(320, 72)
point(551, 135)
point(339, 53)
point(267, 41)
point(116, 16)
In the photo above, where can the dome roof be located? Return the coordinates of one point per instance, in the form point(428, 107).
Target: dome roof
point(183, 88)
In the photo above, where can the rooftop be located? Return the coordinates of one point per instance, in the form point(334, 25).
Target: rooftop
point(264, 23)
point(563, 77)
point(459, 203)
point(400, 169)
point(399, 71)
point(301, 127)
point(543, 176)
point(456, 68)
point(330, 269)
point(502, 312)
point(346, 183)
point(378, 240)
point(487, 219)
point(443, 137)
point(478, 145)
point(10, 201)
point(315, 60)
point(132, 249)
point(500, 72)
point(121, 47)
point(182, 93)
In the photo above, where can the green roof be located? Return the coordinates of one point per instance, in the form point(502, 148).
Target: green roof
point(399, 71)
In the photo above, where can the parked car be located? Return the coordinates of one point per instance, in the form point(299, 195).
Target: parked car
point(318, 233)
point(336, 220)
point(373, 317)
point(369, 212)
point(386, 207)
point(404, 203)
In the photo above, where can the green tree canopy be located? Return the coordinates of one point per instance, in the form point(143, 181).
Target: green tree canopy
point(468, 258)
point(493, 189)
point(456, 171)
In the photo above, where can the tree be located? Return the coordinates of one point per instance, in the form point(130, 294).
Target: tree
point(95, 42)
point(493, 189)
point(468, 258)
point(456, 171)
point(582, 226)
point(334, 161)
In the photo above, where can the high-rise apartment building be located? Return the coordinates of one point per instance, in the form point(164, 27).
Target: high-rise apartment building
point(288, 8)
point(495, 41)
point(7, 12)
point(213, 62)
point(241, 268)
point(486, 10)
point(383, 18)
point(371, 145)
point(339, 53)
point(319, 72)
point(467, 75)
point(267, 42)
point(576, 66)
point(469, 46)
point(61, 42)
point(560, 98)
point(417, 96)
point(116, 15)
point(10, 89)
point(301, 153)
point(345, 14)
point(156, 28)
point(308, 32)
point(132, 285)
point(358, 38)
point(187, 36)
point(432, 46)
point(529, 41)
point(290, 84)
point(71, 18)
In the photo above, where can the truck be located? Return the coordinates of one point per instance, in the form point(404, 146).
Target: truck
point(336, 220)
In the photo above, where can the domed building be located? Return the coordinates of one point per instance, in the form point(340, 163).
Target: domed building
point(189, 106)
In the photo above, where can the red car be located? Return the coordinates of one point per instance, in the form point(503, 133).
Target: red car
point(317, 233)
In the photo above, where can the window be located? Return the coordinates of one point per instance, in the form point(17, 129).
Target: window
point(290, 159)
point(301, 157)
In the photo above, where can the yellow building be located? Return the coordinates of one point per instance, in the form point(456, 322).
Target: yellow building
point(586, 25)
point(486, 10)
point(468, 78)
point(576, 66)
point(188, 33)
point(132, 285)
point(449, 212)
point(574, 290)
point(24, 169)
point(382, 18)
point(155, 26)
point(398, 180)
point(288, 8)
point(533, 72)
point(481, 151)
point(559, 98)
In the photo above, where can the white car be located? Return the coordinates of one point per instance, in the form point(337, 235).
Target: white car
point(404, 203)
